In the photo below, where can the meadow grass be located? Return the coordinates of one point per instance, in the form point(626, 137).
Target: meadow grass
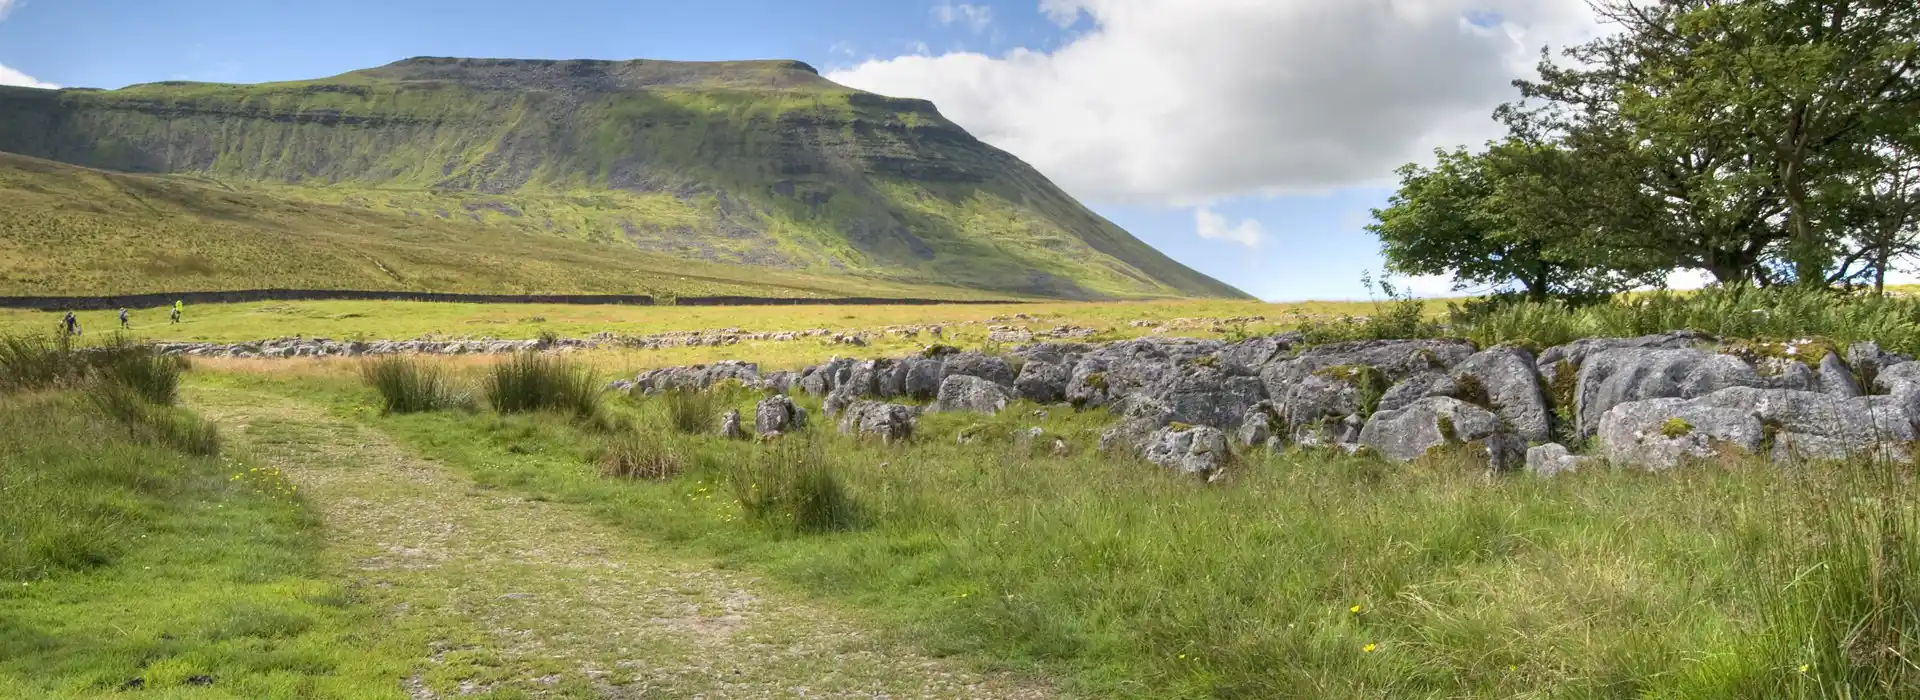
point(1307, 574)
point(691, 411)
point(393, 320)
point(528, 382)
point(128, 565)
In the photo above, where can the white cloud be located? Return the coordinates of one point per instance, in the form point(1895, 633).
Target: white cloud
point(7, 6)
point(1428, 286)
point(1189, 101)
point(9, 76)
point(1213, 226)
point(842, 48)
point(975, 17)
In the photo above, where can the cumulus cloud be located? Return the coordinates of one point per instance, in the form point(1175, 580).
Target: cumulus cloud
point(975, 17)
point(1213, 226)
point(9, 76)
point(1189, 101)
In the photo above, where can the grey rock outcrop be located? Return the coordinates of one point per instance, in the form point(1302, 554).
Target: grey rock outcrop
point(1867, 361)
point(778, 415)
point(1199, 450)
point(1836, 379)
point(1041, 381)
point(962, 392)
point(973, 364)
point(1407, 434)
point(886, 422)
point(1552, 459)
point(1138, 419)
point(1205, 394)
point(1260, 428)
point(730, 425)
point(921, 377)
point(1663, 433)
point(1613, 377)
point(1508, 380)
point(1808, 425)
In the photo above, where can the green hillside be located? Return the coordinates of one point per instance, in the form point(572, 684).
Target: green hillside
point(747, 166)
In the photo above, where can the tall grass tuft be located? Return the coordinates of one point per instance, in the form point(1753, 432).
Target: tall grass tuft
point(410, 384)
point(794, 485)
point(30, 362)
point(152, 375)
point(531, 382)
point(641, 454)
point(155, 422)
point(690, 411)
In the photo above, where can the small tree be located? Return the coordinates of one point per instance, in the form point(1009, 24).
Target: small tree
point(1518, 214)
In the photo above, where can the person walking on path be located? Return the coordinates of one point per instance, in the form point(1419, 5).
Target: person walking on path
point(178, 308)
point(123, 320)
point(70, 325)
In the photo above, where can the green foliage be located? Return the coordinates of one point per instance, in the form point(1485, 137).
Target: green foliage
point(1763, 142)
point(532, 381)
point(1514, 214)
point(409, 384)
point(794, 484)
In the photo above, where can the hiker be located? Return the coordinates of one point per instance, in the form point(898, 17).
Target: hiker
point(179, 309)
point(70, 325)
point(173, 316)
point(123, 320)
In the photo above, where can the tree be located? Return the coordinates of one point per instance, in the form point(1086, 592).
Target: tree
point(1747, 126)
point(1517, 214)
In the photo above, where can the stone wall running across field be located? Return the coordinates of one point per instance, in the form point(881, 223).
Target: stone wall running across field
point(1654, 402)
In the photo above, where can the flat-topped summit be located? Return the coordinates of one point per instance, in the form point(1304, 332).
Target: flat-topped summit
point(538, 74)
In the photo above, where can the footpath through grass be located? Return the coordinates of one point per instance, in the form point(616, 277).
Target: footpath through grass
point(1308, 575)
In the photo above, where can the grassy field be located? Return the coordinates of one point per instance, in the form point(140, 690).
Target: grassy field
point(402, 320)
point(582, 545)
point(1308, 575)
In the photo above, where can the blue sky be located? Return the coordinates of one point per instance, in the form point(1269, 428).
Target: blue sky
point(1271, 125)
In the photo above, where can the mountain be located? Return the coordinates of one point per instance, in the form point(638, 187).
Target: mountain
point(753, 169)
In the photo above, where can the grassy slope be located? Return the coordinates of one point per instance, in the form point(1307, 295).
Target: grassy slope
point(1309, 576)
point(763, 163)
point(76, 231)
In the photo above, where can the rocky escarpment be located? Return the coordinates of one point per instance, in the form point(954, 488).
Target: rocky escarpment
point(1656, 402)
